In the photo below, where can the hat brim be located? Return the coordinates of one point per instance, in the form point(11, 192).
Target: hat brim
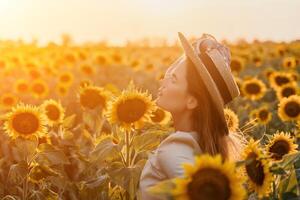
point(204, 74)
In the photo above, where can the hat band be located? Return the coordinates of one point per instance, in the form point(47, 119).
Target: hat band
point(217, 77)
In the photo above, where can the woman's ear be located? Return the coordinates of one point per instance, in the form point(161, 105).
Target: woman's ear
point(192, 102)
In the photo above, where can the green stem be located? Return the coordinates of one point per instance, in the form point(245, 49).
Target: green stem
point(127, 141)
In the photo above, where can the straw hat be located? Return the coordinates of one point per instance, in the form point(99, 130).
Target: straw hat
point(216, 72)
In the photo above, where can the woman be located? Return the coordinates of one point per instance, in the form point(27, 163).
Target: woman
point(194, 90)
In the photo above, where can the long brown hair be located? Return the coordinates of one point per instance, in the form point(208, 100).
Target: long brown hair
point(213, 132)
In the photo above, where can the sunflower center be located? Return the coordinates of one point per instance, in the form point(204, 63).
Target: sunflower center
point(292, 109)
point(25, 123)
point(236, 66)
point(279, 149)
point(158, 116)
point(8, 101)
point(255, 170)
point(281, 80)
point(91, 99)
point(209, 184)
point(253, 88)
point(65, 78)
point(52, 112)
point(263, 114)
point(22, 87)
point(131, 110)
point(38, 88)
point(286, 92)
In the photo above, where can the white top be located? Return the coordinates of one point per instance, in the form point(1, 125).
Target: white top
point(166, 161)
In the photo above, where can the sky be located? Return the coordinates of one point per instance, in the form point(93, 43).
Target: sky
point(120, 20)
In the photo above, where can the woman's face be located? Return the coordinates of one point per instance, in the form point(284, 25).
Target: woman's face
point(172, 94)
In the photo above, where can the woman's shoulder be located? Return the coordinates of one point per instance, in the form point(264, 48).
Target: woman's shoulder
point(181, 139)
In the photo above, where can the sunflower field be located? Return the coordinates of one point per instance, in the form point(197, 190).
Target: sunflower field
point(79, 121)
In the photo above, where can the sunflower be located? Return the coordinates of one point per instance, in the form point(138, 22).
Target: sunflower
point(101, 59)
point(237, 64)
point(278, 79)
point(87, 69)
point(253, 88)
point(7, 100)
point(294, 74)
point(262, 114)
point(268, 71)
point(257, 60)
point(35, 73)
point(62, 90)
point(289, 62)
point(209, 178)
point(287, 90)
point(281, 144)
point(66, 78)
point(289, 108)
point(258, 170)
point(161, 116)
point(231, 119)
point(39, 88)
point(130, 109)
point(21, 86)
point(25, 121)
point(91, 97)
point(54, 111)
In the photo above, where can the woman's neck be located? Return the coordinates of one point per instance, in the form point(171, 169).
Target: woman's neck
point(182, 122)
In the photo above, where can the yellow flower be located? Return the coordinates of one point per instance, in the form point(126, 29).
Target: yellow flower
point(262, 115)
point(66, 78)
point(237, 64)
point(91, 97)
point(54, 111)
point(87, 69)
point(21, 86)
point(62, 90)
point(39, 88)
point(131, 109)
point(7, 100)
point(289, 108)
point(287, 90)
point(25, 121)
point(280, 145)
point(278, 79)
point(161, 116)
point(258, 170)
point(231, 119)
point(253, 88)
point(289, 62)
point(209, 178)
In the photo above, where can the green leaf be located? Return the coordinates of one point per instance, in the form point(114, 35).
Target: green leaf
point(127, 177)
point(69, 121)
point(289, 159)
point(50, 155)
point(26, 148)
point(145, 142)
point(287, 183)
point(105, 150)
point(17, 173)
